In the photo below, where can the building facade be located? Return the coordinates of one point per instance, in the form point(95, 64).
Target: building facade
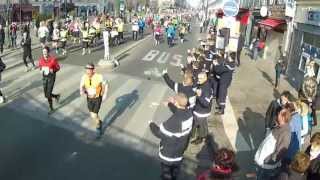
point(305, 43)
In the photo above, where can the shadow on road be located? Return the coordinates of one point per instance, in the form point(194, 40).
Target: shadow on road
point(121, 104)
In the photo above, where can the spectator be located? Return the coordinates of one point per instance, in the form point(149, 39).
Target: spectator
point(278, 68)
point(314, 152)
point(295, 126)
point(274, 108)
point(13, 34)
point(297, 168)
point(2, 38)
point(223, 167)
point(273, 148)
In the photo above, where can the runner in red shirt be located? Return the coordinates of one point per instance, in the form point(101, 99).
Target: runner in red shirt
point(49, 66)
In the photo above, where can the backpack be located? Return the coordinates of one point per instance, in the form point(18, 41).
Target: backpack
point(2, 66)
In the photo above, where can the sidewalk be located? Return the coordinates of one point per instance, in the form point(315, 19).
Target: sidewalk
point(242, 127)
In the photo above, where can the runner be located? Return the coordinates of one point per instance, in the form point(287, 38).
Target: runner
point(55, 38)
point(26, 45)
point(63, 40)
point(43, 33)
point(85, 39)
point(93, 86)
point(49, 67)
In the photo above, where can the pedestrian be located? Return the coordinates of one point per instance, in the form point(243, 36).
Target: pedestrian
point(43, 33)
point(223, 167)
point(174, 136)
point(313, 151)
point(27, 51)
point(85, 39)
point(120, 29)
point(278, 68)
point(95, 89)
point(141, 25)
point(297, 170)
point(135, 29)
point(202, 109)
point(157, 34)
point(239, 49)
point(295, 127)
point(273, 148)
point(274, 108)
point(13, 34)
point(2, 38)
point(55, 37)
point(63, 40)
point(2, 68)
point(49, 66)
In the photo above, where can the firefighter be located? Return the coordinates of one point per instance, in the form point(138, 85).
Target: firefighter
point(174, 135)
point(202, 109)
point(224, 72)
point(186, 87)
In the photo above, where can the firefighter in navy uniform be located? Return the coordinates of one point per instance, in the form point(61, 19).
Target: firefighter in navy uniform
point(186, 87)
point(202, 109)
point(224, 71)
point(174, 134)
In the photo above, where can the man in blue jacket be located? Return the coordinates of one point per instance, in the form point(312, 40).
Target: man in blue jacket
point(141, 25)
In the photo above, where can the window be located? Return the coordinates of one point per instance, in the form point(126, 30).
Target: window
point(311, 39)
point(304, 60)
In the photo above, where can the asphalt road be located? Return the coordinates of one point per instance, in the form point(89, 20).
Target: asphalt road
point(36, 146)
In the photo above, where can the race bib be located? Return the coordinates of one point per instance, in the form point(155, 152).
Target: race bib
point(91, 91)
point(45, 70)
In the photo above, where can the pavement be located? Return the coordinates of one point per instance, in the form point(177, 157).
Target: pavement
point(63, 145)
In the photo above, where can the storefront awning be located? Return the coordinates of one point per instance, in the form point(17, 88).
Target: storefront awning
point(271, 23)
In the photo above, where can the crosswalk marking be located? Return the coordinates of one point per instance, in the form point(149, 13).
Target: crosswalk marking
point(139, 121)
point(232, 131)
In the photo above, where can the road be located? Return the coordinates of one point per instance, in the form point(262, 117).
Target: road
point(63, 146)
point(36, 146)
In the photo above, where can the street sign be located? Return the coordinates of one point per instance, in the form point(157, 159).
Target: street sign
point(230, 8)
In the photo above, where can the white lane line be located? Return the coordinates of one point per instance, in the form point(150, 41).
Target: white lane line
point(232, 131)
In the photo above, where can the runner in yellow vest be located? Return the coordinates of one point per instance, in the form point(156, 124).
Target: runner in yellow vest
point(92, 35)
point(95, 89)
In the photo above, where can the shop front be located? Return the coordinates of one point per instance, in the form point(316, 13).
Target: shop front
point(305, 45)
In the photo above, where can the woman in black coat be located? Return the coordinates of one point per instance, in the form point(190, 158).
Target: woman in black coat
point(2, 38)
point(314, 152)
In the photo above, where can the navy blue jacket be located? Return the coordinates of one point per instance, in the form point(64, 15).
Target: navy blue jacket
point(174, 134)
point(204, 102)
